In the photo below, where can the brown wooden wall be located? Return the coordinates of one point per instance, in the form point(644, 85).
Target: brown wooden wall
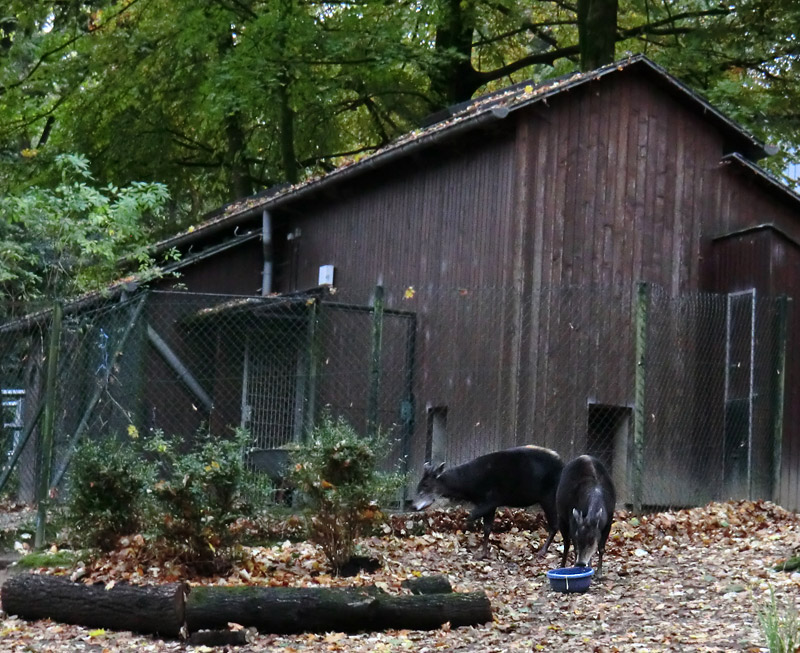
point(234, 271)
point(605, 184)
point(438, 223)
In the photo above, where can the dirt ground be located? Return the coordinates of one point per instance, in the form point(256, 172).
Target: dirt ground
point(691, 580)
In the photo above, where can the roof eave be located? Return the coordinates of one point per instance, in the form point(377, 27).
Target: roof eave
point(763, 176)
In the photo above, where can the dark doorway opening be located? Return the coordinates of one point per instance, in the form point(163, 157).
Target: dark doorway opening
point(608, 439)
point(436, 440)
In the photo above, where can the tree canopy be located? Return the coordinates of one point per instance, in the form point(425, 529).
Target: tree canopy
point(221, 98)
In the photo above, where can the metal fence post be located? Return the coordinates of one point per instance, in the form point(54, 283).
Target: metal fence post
point(313, 367)
point(781, 336)
point(375, 362)
point(639, 417)
point(48, 424)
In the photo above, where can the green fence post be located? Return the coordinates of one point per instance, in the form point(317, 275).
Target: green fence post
point(375, 362)
point(782, 330)
point(313, 367)
point(48, 425)
point(639, 417)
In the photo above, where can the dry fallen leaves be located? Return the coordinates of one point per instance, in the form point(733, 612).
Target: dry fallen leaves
point(678, 580)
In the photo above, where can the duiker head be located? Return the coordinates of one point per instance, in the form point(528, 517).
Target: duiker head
point(428, 486)
point(585, 532)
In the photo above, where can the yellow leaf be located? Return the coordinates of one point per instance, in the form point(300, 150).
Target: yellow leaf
point(97, 633)
point(410, 292)
point(529, 89)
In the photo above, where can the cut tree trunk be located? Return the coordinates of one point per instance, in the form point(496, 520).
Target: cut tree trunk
point(141, 609)
point(163, 609)
point(320, 609)
point(428, 585)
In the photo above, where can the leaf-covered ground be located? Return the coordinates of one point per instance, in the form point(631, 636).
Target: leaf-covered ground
point(674, 581)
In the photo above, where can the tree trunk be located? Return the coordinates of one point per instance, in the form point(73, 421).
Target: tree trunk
point(597, 32)
point(428, 585)
point(163, 609)
point(454, 78)
point(141, 609)
point(319, 609)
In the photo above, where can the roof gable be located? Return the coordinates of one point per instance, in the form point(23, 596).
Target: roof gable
point(457, 119)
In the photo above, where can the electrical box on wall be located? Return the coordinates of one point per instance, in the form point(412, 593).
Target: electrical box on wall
point(325, 275)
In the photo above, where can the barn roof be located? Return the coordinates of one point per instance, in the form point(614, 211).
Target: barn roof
point(453, 121)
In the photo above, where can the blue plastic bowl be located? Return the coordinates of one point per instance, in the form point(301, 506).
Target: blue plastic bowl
point(570, 579)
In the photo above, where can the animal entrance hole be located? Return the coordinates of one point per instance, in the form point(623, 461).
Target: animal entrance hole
point(436, 440)
point(608, 439)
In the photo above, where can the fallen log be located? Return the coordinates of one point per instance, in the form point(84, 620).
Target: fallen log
point(157, 609)
point(219, 638)
point(163, 610)
point(428, 585)
point(283, 610)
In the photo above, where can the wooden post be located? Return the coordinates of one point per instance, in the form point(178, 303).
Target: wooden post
point(48, 424)
point(639, 416)
point(375, 362)
point(781, 335)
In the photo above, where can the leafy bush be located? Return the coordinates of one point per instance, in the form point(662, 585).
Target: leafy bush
point(341, 487)
point(183, 494)
point(202, 490)
point(780, 624)
point(108, 482)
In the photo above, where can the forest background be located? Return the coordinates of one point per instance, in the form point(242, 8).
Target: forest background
point(122, 122)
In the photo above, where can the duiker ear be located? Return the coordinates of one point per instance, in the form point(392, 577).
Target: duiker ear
point(577, 516)
point(596, 514)
point(439, 469)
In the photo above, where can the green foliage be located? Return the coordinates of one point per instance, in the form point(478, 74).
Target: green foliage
point(61, 240)
point(108, 484)
point(336, 472)
point(39, 559)
point(184, 494)
point(780, 624)
point(218, 100)
point(202, 490)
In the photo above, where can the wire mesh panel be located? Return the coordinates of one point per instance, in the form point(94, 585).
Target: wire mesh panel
point(709, 427)
point(678, 396)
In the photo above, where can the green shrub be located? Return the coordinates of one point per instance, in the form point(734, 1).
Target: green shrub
point(202, 490)
point(336, 473)
point(183, 494)
point(108, 480)
point(780, 624)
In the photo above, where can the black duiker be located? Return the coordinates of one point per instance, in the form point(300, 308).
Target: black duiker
point(585, 500)
point(518, 477)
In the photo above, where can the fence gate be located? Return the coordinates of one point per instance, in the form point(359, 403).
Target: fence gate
point(739, 382)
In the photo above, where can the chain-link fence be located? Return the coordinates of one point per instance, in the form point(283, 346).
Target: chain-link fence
point(680, 397)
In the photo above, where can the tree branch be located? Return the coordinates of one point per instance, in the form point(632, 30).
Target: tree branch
point(46, 55)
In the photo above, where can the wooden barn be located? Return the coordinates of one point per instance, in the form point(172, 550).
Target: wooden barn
point(506, 247)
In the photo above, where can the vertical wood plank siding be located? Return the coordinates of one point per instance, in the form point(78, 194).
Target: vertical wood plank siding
point(607, 184)
point(440, 223)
